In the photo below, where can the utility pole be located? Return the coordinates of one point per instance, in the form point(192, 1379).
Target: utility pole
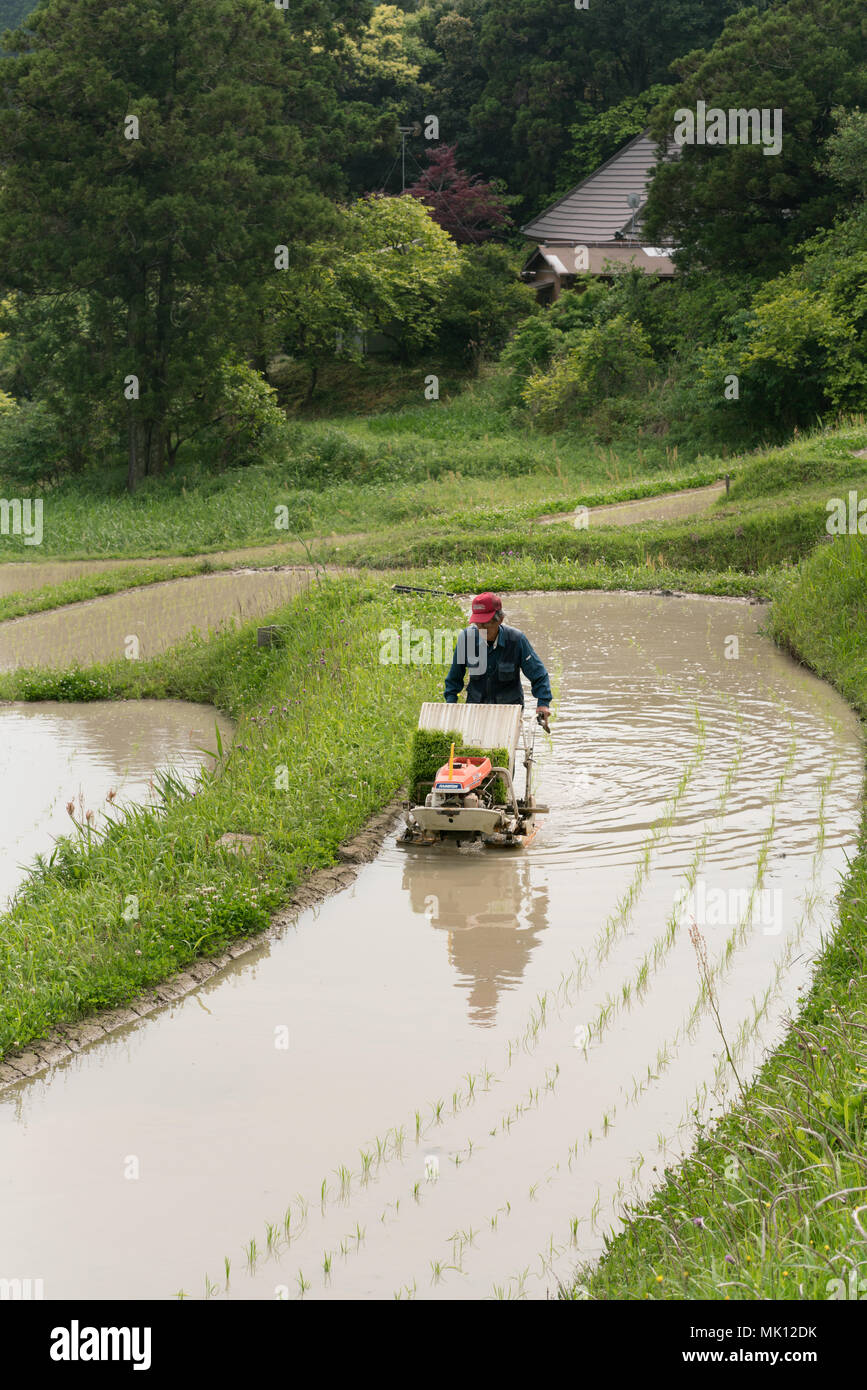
point(405, 130)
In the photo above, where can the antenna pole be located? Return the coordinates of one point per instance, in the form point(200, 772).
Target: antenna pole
point(405, 130)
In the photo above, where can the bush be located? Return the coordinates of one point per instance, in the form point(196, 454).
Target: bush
point(539, 339)
point(251, 424)
point(30, 448)
point(73, 684)
point(608, 359)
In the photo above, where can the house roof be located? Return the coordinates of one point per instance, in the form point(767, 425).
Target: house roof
point(599, 207)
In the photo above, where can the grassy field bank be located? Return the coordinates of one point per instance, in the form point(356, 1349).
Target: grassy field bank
point(443, 467)
point(322, 742)
point(773, 1202)
point(462, 529)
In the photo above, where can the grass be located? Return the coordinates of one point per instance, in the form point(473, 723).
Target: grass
point(450, 486)
point(345, 475)
point(748, 538)
point(435, 463)
point(772, 1203)
point(312, 711)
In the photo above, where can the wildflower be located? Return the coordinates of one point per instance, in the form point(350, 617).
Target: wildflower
point(138, 953)
point(698, 1221)
point(659, 1278)
point(730, 1259)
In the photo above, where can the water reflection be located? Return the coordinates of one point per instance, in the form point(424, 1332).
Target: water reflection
point(491, 912)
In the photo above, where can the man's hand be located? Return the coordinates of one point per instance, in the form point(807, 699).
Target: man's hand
point(542, 713)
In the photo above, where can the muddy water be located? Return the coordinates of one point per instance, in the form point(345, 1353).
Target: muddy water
point(156, 617)
point(669, 506)
point(52, 755)
point(529, 1017)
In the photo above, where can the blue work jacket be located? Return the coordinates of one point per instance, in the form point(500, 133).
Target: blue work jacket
point(500, 683)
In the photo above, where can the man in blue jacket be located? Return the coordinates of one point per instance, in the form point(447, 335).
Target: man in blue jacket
point(495, 676)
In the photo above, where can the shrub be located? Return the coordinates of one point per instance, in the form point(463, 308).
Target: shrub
point(30, 448)
point(608, 359)
point(73, 684)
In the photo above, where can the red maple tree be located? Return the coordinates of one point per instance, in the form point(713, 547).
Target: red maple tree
point(465, 206)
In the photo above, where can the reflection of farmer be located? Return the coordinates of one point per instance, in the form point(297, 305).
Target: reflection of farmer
point(492, 924)
point(498, 679)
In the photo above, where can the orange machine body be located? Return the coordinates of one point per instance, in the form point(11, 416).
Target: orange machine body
point(462, 774)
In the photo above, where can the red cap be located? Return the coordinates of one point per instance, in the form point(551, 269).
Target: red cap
point(485, 607)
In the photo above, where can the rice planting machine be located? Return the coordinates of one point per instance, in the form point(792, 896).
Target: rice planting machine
point(469, 798)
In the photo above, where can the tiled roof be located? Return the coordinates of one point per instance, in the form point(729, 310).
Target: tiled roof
point(599, 206)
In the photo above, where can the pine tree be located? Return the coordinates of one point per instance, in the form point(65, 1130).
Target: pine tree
point(155, 153)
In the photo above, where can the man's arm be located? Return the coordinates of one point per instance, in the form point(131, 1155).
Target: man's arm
point(455, 678)
point(536, 674)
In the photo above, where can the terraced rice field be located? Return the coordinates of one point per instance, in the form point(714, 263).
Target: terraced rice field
point(446, 1079)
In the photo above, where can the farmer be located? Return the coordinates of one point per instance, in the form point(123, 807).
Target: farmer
point(498, 667)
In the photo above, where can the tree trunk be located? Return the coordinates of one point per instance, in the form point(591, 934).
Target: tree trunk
point(138, 449)
point(314, 376)
point(156, 449)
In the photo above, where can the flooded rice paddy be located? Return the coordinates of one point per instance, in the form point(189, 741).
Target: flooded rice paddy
point(88, 757)
point(142, 622)
point(445, 1080)
point(668, 506)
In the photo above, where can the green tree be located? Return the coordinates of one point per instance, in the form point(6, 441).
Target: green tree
point(845, 154)
point(732, 206)
point(155, 153)
point(548, 62)
point(14, 13)
point(483, 303)
point(387, 271)
point(381, 83)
